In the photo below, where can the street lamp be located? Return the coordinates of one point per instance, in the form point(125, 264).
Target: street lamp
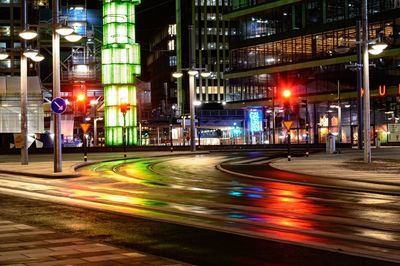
point(73, 37)
point(198, 103)
point(3, 54)
point(28, 34)
point(192, 73)
point(376, 48)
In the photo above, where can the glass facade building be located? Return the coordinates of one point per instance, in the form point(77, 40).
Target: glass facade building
point(294, 44)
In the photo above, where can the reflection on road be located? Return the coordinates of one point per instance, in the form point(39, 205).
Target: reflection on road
point(189, 190)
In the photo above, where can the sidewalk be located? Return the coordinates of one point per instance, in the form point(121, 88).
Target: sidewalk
point(348, 165)
point(22, 244)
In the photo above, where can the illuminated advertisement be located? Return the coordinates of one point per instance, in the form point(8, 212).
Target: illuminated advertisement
point(255, 118)
point(120, 66)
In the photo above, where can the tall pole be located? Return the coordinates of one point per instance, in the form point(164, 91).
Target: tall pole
point(367, 129)
point(192, 96)
point(56, 87)
point(179, 90)
point(24, 96)
point(339, 116)
point(359, 87)
point(192, 121)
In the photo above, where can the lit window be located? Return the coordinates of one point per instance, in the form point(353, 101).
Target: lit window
point(172, 29)
point(171, 45)
point(172, 60)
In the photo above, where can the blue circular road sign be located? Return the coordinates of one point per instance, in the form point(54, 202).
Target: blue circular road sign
point(58, 105)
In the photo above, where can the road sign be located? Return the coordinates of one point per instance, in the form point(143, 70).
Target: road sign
point(85, 127)
point(58, 105)
point(288, 124)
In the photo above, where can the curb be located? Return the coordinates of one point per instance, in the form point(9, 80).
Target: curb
point(53, 176)
point(82, 164)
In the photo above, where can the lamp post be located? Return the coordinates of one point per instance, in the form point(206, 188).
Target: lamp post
point(173, 109)
point(362, 51)
point(197, 103)
point(28, 34)
point(24, 96)
point(193, 72)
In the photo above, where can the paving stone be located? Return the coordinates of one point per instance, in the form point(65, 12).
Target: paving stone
point(104, 257)
point(62, 240)
point(23, 251)
point(29, 246)
point(57, 262)
point(50, 253)
point(23, 244)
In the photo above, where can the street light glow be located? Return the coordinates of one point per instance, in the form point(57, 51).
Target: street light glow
point(74, 37)
point(30, 53)
point(177, 75)
point(38, 58)
point(3, 54)
point(64, 30)
point(28, 34)
point(379, 46)
point(193, 72)
point(374, 51)
point(205, 74)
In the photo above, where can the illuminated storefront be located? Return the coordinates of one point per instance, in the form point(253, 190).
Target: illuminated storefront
point(120, 66)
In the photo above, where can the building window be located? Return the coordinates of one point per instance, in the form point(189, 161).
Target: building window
point(171, 45)
point(172, 61)
point(172, 29)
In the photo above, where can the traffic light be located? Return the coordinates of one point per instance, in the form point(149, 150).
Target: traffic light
point(81, 102)
point(125, 107)
point(287, 94)
point(81, 98)
point(286, 97)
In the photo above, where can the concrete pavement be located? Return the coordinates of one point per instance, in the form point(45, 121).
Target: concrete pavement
point(348, 165)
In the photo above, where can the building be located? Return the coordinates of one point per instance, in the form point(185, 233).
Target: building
point(310, 48)
point(11, 24)
point(166, 44)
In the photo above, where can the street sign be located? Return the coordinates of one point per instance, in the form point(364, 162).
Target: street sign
point(58, 105)
point(85, 127)
point(288, 124)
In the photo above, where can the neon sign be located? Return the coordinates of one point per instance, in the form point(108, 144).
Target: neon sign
point(255, 120)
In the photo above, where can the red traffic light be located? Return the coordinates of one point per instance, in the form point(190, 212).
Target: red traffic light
point(81, 97)
point(287, 93)
point(124, 107)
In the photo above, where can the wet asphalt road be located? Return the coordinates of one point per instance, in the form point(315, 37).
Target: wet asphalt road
point(190, 191)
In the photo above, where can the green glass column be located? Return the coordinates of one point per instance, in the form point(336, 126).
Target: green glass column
point(120, 66)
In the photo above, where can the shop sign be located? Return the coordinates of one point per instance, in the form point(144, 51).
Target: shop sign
point(255, 120)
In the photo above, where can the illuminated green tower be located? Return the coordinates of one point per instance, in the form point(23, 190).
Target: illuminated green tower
point(120, 66)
